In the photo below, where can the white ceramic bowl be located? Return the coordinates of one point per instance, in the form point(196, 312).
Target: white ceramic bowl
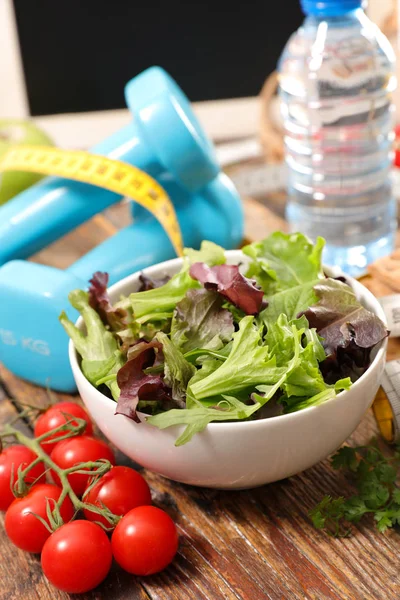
point(240, 454)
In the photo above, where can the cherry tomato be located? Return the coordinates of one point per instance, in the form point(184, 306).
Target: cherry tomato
point(54, 417)
point(145, 540)
point(397, 146)
point(76, 450)
point(23, 528)
point(11, 459)
point(121, 489)
point(77, 557)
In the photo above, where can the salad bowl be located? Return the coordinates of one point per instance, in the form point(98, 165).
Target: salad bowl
point(242, 454)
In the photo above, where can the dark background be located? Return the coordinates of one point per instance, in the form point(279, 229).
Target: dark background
point(77, 55)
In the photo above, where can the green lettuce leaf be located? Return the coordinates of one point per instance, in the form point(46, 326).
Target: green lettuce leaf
point(98, 347)
point(283, 261)
point(199, 321)
point(208, 366)
point(298, 403)
point(199, 414)
point(281, 340)
point(197, 418)
point(306, 379)
point(303, 384)
point(144, 328)
point(249, 364)
point(293, 370)
point(199, 355)
point(163, 299)
point(177, 370)
point(209, 253)
point(313, 338)
point(290, 302)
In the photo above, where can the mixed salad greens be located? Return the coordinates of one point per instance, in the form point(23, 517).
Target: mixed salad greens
point(213, 344)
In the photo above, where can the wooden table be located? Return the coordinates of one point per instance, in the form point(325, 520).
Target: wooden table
point(248, 545)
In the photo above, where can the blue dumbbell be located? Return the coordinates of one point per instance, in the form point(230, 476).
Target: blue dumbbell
point(33, 345)
point(164, 139)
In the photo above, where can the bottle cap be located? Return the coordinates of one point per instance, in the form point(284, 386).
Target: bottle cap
point(329, 8)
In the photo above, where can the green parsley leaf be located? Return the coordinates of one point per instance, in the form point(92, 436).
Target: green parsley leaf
point(354, 508)
point(345, 458)
point(375, 480)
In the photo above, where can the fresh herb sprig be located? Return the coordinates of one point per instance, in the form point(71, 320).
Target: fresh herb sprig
point(375, 476)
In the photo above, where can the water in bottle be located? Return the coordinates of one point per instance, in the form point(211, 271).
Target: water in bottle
point(336, 82)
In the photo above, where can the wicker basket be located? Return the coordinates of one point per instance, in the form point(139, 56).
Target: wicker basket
point(271, 135)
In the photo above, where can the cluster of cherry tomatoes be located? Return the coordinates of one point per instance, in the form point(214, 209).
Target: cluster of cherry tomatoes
point(77, 556)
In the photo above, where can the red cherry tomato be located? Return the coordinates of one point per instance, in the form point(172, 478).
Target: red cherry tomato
point(54, 417)
point(23, 528)
point(77, 450)
point(11, 459)
point(121, 489)
point(397, 146)
point(145, 540)
point(77, 557)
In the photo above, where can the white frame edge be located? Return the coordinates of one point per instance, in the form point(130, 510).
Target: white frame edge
point(14, 99)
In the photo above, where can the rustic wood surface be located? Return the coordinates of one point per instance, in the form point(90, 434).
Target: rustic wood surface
point(248, 545)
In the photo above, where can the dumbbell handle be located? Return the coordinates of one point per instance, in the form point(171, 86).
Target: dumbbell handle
point(54, 206)
point(132, 249)
point(36, 348)
point(214, 214)
point(164, 138)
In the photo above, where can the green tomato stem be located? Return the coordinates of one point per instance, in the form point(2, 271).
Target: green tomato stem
point(92, 468)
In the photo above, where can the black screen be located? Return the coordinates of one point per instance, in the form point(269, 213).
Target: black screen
point(77, 55)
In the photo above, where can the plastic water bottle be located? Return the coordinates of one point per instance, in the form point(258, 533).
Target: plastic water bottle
point(336, 81)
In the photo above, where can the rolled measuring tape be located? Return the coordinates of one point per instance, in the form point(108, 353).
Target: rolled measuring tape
point(114, 175)
point(386, 406)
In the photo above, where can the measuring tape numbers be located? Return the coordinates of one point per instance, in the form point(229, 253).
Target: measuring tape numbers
point(386, 405)
point(114, 175)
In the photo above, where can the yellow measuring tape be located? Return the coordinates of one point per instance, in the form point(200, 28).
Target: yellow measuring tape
point(113, 175)
point(386, 405)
